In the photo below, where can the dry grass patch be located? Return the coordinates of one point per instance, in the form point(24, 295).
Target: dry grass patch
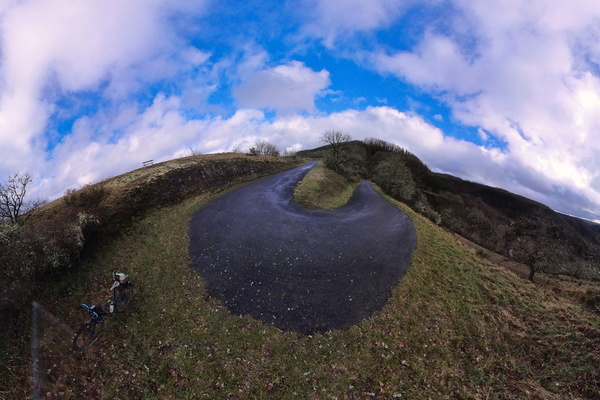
point(323, 189)
point(148, 174)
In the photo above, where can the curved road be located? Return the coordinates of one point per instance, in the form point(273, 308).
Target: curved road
point(300, 270)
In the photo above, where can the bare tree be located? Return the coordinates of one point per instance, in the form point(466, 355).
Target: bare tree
point(262, 147)
point(335, 140)
point(346, 160)
point(13, 203)
point(531, 253)
point(271, 150)
point(534, 244)
point(193, 152)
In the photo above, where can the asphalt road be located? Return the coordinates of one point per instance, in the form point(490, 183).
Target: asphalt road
point(265, 256)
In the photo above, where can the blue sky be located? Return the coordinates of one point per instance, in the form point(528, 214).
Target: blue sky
point(504, 93)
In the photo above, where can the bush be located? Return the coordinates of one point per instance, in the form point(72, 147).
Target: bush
point(394, 177)
point(264, 148)
point(33, 253)
point(349, 160)
point(10, 251)
point(89, 197)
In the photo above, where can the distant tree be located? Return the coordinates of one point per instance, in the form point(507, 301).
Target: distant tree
point(289, 153)
point(335, 139)
point(13, 203)
point(374, 145)
point(536, 243)
point(341, 157)
point(264, 148)
point(192, 152)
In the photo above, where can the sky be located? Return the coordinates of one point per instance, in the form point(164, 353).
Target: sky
point(504, 93)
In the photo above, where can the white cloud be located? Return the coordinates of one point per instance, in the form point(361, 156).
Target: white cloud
point(161, 132)
point(89, 154)
point(330, 20)
point(423, 66)
point(288, 87)
point(530, 77)
point(54, 48)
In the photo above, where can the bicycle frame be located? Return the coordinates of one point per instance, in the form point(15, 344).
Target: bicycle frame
point(116, 283)
point(92, 309)
point(122, 292)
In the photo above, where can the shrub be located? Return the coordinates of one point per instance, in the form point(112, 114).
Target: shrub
point(264, 148)
point(32, 253)
point(89, 197)
point(394, 177)
point(10, 244)
point(374, 146)
point(351, 165)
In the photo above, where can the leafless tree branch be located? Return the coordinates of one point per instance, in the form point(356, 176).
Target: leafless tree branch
point(13, 193)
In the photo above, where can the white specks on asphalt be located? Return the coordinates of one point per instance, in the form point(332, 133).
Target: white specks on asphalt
point(265, 257)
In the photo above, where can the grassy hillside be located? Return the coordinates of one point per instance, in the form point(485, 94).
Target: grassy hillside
point(55, 239)
point(495, 219)
point(323, 189)
point(457, 326)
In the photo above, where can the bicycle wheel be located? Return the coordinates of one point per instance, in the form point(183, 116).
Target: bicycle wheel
point(123, 297)
point(87, 335)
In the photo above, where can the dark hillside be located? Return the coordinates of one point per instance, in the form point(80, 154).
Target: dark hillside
point(500, 221)
point(511, 204)
point(322, 151)
point(493, 218)
point(585, 225)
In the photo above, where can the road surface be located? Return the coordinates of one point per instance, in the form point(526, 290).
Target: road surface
point(307, 271)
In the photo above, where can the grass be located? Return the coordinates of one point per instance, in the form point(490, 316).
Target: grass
point(456, 326)
point(323, 189)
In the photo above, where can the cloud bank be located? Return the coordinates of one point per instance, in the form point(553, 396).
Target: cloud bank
point(285, 88)
point(528, 76)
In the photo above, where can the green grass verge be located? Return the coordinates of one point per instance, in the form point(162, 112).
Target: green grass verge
point(323, 189)
point(455, 327)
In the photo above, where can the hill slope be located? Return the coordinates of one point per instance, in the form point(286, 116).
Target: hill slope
point(53, 241)
point(457, 326)
point(493, 218)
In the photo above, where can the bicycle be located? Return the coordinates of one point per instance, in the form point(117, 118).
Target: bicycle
point(91, 330)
